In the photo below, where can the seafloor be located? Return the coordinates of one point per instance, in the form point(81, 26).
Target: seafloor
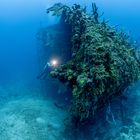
point(26, 114)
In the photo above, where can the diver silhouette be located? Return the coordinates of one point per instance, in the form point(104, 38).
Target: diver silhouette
point(46, 70)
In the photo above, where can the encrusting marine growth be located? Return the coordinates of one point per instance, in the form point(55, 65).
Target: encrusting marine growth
point(104, 61)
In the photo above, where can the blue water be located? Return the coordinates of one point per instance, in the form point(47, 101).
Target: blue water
point(20, 20)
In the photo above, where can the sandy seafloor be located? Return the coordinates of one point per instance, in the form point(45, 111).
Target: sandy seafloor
point(29, 116)
point(25, 114)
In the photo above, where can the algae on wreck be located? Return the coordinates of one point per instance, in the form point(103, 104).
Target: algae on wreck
point(104, 60)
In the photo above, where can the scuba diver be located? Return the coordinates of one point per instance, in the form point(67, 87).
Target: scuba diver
point(47, 68)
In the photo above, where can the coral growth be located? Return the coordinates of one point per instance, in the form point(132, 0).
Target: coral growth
point(103, 64)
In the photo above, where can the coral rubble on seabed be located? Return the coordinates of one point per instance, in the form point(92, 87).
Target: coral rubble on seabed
point(104, 60)
point(29, 117)
point(35, 118)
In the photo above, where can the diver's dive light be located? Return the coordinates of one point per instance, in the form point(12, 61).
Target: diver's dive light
point(54, 62)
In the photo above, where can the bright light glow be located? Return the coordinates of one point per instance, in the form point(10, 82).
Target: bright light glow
point(54, 62)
